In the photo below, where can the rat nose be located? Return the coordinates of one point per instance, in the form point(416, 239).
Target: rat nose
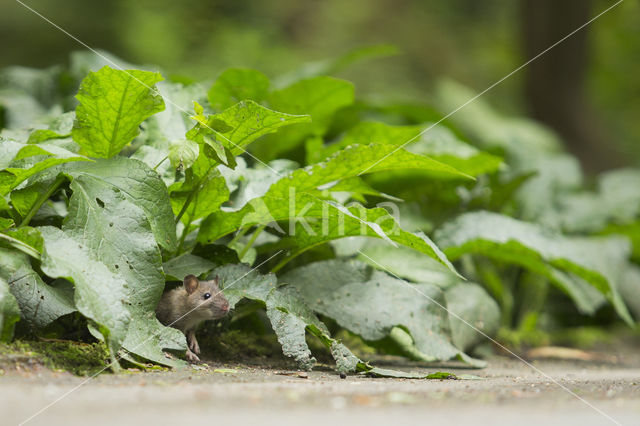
point(225, 307)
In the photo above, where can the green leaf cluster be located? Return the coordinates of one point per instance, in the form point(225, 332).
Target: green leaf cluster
point(343, 210)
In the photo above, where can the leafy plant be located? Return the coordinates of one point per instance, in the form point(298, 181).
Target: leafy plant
point(143, 181)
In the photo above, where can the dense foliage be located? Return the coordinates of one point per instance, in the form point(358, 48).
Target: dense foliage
point(313, 206)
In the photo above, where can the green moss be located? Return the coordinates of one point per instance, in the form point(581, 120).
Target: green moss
point(81, 359)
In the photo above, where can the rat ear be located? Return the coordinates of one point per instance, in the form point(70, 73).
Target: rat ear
point(191, 283)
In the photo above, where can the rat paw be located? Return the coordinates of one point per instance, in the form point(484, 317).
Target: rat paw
point(193, 345)
point(192, 342)
point(191, 357)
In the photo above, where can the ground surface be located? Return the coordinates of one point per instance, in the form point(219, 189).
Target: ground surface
point(510, 393)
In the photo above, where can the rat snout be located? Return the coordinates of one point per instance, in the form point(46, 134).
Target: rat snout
point(224, 306)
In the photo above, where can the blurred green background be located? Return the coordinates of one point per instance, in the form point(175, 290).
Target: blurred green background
point(587, 88)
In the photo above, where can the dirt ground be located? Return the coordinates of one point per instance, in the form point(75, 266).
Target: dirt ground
point(510, 392)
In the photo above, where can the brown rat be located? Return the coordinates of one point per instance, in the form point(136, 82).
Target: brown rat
point(188, 306)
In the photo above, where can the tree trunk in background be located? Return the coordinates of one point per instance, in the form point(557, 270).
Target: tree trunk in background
point(555, 83)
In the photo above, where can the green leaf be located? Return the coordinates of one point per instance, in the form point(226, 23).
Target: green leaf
point(556, 176)
point(204, 196)
point(406, 263)
point(40, 303)
point(238, 126)
point(371, 303)
point(5, 223)
point(598, 261)
point(10, 261)
point(238, 84)
point(113, 104)
point(27, 235)
point(103, 224)
point(291, 199)
point(43, 85)
point(9, 311)
point(99, 293)
point(320, 97)
point(630, 288)
point(617, 201)
point(219, 153)
point(138, 184)
point(291, 332)
point(60, 128)
point(24, 199)
point(247, 183)
point(334, 221)
point(19, 161)
point(289, 316)
point(519, 138)
point(334, 65)
point(437, 142)
point(632, 232)
point(185, 264)
point(183, 153)
point(25, 239)
point(469, 304)
point(356, 160)
point(238, 281)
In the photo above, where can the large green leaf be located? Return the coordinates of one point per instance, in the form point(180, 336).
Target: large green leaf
point(138, 184)
point(41, 303)
point(469, 305)
point(292, 199)
point(320, 97)
point(598, 261)
point(113, 104)
point(406, 263)
point(344, 165)
point(103, 224)
point(437, 142)
point(9, 310)
point(238, 126)
point(290, 317)
point(356, 160)
point(118, 233)
point(331, 221)
point(371, 304)
point(238, 84)
point(100, 294)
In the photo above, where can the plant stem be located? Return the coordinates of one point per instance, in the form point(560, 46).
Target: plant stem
point(238, 235)
point(161, 161)
point(41, 199)
point(282, 263)
point(255, 235)
point(185, 232)
point(189, 199)
point(23, 247)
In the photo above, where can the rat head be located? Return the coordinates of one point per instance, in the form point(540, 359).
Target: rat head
point(205, 297)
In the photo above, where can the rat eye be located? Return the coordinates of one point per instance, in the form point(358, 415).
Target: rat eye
point(206, 296)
